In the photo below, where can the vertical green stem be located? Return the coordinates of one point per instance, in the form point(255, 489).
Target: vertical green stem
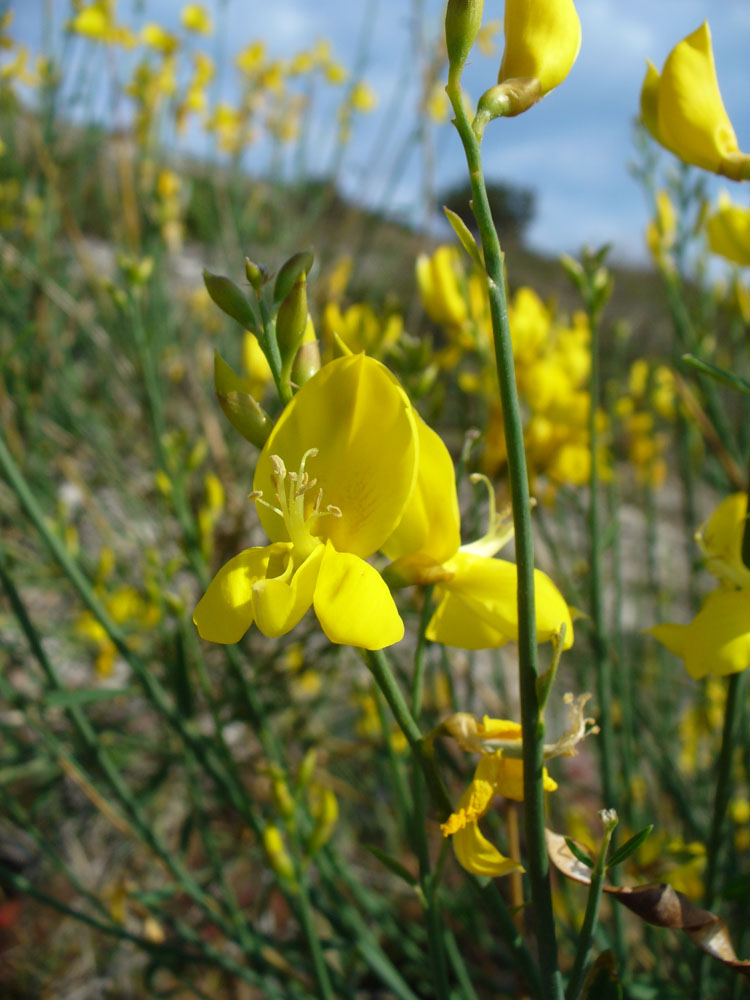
point(531, 719)
point(589, 919)
point(723, 783)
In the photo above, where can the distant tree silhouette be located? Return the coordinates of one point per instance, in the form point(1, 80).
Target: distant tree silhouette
point(513, 208)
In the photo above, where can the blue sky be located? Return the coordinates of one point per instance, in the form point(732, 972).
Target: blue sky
point(573, 148)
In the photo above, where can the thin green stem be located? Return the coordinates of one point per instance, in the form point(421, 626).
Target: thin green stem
point(531, 719)
point(422, 749)
point(589, 920)
point(419, 654)
point(732, 712)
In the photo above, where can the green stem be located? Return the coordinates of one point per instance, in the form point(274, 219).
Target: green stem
point(531, 720)
point(589, 919)
point(419, 658)
point(422, 750)
point(723, 783)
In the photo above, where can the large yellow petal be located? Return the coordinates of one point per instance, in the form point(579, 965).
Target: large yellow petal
point(362, 423)
point(456, 623)
point(542, 40)
point(489, 587)
point(720, 538)
point(717, 641)
point(431, 525)
point(728, 232)
point(280, 602)
point(225, 612)
point(650, 101)
point(692, 120)
point(477, 855)
point(353, 604)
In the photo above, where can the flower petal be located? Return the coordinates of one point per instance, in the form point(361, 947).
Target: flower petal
point(353, 603)
point(542, 40)
point(456, 623)
point(279, 603)
point(477, 855)
point(693, 122)
point(717, 641)
point(431, 524)
point(488, 587)
point(225, 612)
point(363, 425)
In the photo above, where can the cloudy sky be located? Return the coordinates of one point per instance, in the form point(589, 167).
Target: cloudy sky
point(572, 149)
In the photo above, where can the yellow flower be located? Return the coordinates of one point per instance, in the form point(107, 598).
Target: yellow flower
point(477, 593)
point(542, 40)
point(683, 110)
point(157, 37)
point(499, 772)
point(728, 231)
point(341, 465)
point(717, 641)
point(195, 17)
point(363, 98)
point(720, 539)
point(438, 277)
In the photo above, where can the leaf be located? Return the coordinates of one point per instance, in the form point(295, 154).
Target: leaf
point(629, 847)
point(391, 864)
point(657, 904)
point(719, 374)
point(230, 299)
point(579, 853)
point(464, 235)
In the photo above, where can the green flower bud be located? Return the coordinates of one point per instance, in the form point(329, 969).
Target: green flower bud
point(243, 412)
point(230, 299)
point(291, 320)
point(306, 362)
point(290, 272)
point(463, 18)
point(256, 274)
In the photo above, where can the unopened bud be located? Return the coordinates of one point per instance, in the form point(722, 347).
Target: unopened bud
point(291, 320)
point(463, 18)
point(277, 854)
point(230, 299)
point(290, 272)
point(306, 362)
point(256, 274)
point(243, 412)
point(325, 809)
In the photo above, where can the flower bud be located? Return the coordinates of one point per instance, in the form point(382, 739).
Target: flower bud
point(256, 274)
point(229, 299)
point(463, 18)
point(306, 362)
point(325, 810)
point(277, 854)
point(241, 410)
point(291, 320)
point(299, 264)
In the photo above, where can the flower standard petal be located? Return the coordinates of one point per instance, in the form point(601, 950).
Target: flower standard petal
point(542, 40)
point(431, 523)
point(225, 612)
point(362, 424)
point(353, 604)
point(692, 120)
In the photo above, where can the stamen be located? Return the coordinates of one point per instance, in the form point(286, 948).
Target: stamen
point(257, 497)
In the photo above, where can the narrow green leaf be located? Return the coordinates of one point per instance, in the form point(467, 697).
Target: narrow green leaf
point(391, 864)
point(629, 847)
point(576, 851)
point(719, 374)
point(467, 240)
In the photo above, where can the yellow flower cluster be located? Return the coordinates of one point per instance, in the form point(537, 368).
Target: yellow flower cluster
point(552, 358)
point(650, 397)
